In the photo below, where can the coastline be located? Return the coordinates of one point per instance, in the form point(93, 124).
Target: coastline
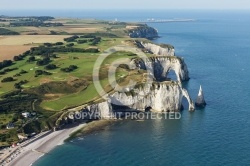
point(33, 151)
point(92, 127)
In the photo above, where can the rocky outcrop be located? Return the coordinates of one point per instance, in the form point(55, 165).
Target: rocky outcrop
point(159, 97)
point(200, 101)
point(102, 110)
point(159, 67)
point(163, 50)
point(143, 32)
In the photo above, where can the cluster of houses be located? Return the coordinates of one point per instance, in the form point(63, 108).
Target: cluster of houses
point(11, 125)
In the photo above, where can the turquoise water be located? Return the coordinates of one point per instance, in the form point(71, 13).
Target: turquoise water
point(216, 49)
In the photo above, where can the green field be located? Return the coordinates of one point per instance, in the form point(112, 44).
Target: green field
point(84, 62)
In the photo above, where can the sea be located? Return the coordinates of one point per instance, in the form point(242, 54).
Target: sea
point(216, 48)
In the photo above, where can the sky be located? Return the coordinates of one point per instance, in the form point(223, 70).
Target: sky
point(124, 4)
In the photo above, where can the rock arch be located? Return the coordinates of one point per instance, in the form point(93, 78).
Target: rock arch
point(190, 101)
point(159, 67)
point(165, 96)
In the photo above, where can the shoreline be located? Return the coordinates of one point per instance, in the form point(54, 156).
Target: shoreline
point(92, 127)
point(31, 152)
point(38, 147)
point(168, 20)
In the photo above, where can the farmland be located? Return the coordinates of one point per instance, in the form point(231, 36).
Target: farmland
point(9, 51)
point(15, 45)
point(30, 39)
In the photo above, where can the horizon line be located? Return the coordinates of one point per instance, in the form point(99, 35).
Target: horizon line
point(122, 9)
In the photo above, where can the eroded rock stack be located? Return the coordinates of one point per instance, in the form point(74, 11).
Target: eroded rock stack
point(200, 101)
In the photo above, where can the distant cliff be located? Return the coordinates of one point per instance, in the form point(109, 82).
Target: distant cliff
point(161, 50)
point(158, 50)
point(160, 66)
point(143, 32)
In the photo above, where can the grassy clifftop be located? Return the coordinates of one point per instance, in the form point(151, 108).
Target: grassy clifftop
point(56, 71)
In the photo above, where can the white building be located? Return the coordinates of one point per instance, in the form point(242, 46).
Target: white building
point(26, 114)
point(10, 126)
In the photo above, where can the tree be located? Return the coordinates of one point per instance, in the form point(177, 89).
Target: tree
point(8, 79)
point(5, 63)
point(53, 56)
point(59, 43)
point(31, 59)
point(17, 58)
point(69, 69)
point(41, 72)
point(53, 33)
point(19, 84)
point(50, 67)
point(47, 44)
point(44, 61)
point(71, 39)
point(70, 45)
point(72, 67)
point(23, 72)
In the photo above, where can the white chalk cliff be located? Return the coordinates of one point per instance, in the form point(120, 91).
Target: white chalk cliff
point(163, 95)
point(160, 97)
point(103, 109)
point(160, 66)
point(159, 50)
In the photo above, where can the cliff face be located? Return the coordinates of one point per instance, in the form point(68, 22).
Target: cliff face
point(159, 67)
point(159, 50)
point(104, 110)
point(143, 32)
point(159, 97)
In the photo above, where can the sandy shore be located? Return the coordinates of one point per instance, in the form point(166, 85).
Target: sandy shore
point(33, 151)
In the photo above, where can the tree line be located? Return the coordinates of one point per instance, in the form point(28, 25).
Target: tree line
point(94, 40)
point(4, 31)
point(42, 50)
point(35, 24)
